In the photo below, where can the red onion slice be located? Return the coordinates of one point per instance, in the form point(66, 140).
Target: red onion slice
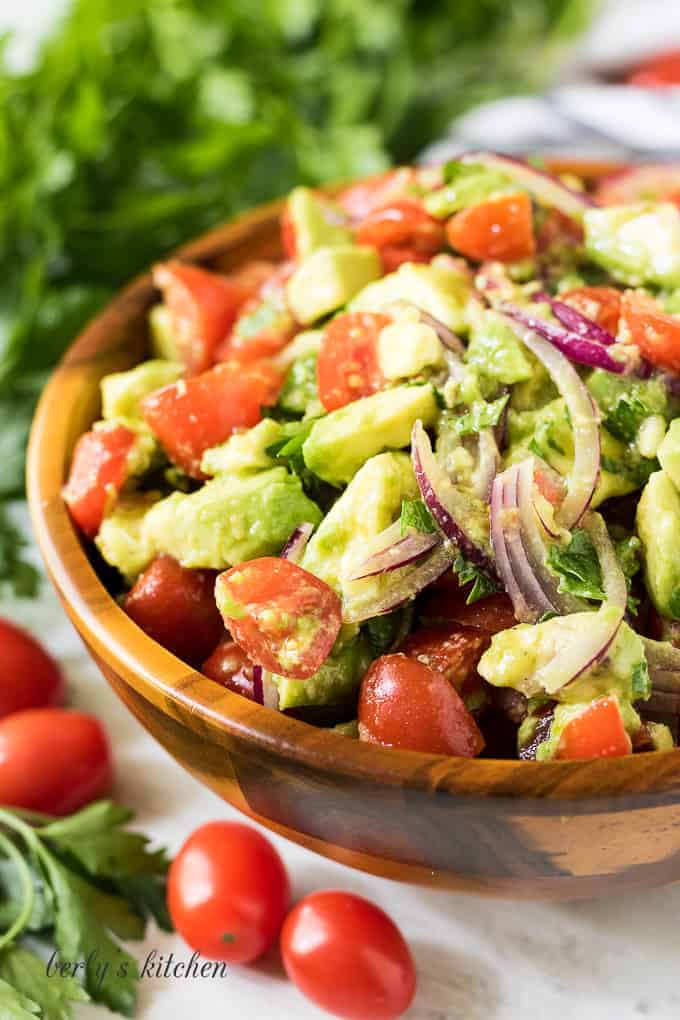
point(297, 543)
point(576, 321)
point(519, 590)
point(446, 336)
point(592, 637)
point(258, 692)
point(585, 472)
point(488, 460)
point(576, 348)
point(546, 189)
point(450, 508)
point(399, 553)
point(400, 589)
point(535, 596)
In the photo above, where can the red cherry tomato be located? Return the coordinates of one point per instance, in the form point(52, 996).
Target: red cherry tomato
point(445, 602)
point(192, 415)
point(53, 760)
point(230, 666)
point(500, 229)
point(176, 607)
point(452, 651)
point(202, 306)
point(283, 617)
point(99, 469)
point(228, 892)
point(403, 703)
point(358, 200)
point(348, 957)
point(659, 71)
point(601, 304)
point(656, 334)
point(598, 732)
point(347, 367)
point(650, 183)
point(402, 232)
point(30, 677)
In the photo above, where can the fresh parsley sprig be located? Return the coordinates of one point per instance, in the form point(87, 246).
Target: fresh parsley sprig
point(83, 884)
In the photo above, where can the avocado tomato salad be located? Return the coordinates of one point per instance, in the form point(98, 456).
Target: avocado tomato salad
point(420, 481)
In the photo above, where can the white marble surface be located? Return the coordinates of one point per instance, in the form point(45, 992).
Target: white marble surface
point(477, 958)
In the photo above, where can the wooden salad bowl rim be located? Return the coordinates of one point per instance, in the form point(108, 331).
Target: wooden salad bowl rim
point(174, 687)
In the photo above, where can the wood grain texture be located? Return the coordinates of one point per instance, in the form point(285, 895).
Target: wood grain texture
point(525, 829)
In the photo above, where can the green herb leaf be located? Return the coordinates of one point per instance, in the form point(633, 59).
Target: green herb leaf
point(577, 566)
point(629, 554)
point(16, 573)
point(480, 416)
point(299, 391)
point(414, 514)
point(636, 469)
point(470, 573)
point(641, 684)
point(27, 974)
point(625, 418)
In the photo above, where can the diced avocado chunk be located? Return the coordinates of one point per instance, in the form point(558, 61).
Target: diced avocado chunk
point(312, 225)
point(439, 288)
point(370, 503)
point(328, 278)
point(496, 352)
point(547, 433)
point(306, 342)
point(161, 337)
point(345, 439)
point(122, 539)
point(658, 525)
point(626, 403)
point(333, 684)
point(231, 518)
point(669, 453)
point(637, 243)
point(520, 658)
point(244, 451)
point(351, 729)
point(660, 736)
point(122, 392)
point(300, 394)
point(467, 184)
point(408, 347)
point(143, 455)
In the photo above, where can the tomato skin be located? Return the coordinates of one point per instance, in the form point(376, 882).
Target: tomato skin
point(192, 415)
point(99, 469)
point(402, 232)
point(597, 733)
point(30, 676)
point(359, 200)
point(228, 880)
point(347, 367)
point(658, 182)
point(500, 229)
point(243, 345)
point(451, 651)
point(445, 603)
point(230, 666)
point(655, 333)
point(403, 703)
point(175, 606)
point(288, 240)
point(202, 307)
point(347, 956)
point(601, 304)
point(658, 71)
point(272, 606)
point(53, 760)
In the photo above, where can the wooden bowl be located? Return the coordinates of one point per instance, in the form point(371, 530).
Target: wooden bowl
point(511, 828)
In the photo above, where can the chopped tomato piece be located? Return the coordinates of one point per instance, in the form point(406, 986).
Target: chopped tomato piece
point(230, 666)
point(658, 71)
point(194, 414)
point(550, 485)
point(650, 183)
point(361, 199)
point(99, 469)
point(452, 651)
point(288, 240)
point(347, 367)
point(263, 327)
point(500, 229)
point(601, 304)
point(597, 733)
point(403, 703)
point(656, 334)
point(445, 603)
point(283, 617)
point(176, 607)
point(202, 307)
point(402, 232)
